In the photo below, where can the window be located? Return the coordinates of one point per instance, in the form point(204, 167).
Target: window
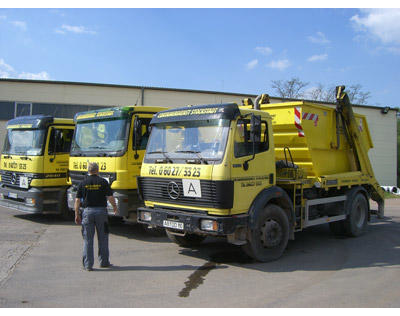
point(145, 125)
point(7, 110)
point(243, 145)
point(62, 139)
point(23, 109)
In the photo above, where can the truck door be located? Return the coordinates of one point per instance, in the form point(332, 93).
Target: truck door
point(261, 170)
point(139, 136)
point(57, 152)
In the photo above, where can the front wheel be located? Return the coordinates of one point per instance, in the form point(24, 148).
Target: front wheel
point(268, 239)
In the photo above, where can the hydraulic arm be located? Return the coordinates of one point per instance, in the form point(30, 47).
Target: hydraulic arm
point(345, 109)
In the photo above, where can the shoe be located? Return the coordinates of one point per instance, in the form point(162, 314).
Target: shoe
point(87, 269)
point(106, 265)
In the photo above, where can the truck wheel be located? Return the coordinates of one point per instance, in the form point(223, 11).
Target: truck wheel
point(357, 219)
point(64, 210)
point(268, 239)
point(189, 240)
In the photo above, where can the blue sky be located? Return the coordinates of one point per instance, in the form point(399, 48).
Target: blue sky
point(234, 50)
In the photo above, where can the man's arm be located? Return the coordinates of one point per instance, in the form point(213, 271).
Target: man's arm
point(78, 219)
point(112, 202)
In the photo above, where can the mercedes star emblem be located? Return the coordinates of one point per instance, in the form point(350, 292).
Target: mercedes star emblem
point(13, 178)
point(173, 190)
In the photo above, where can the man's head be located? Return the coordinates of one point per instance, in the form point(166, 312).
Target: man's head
point(93, 168)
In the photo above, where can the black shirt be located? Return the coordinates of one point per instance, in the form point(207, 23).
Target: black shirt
point(94, 191)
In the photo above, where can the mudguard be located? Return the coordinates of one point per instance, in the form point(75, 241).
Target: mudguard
point(275, 195)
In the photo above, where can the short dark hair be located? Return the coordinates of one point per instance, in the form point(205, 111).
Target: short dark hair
point(93, 167)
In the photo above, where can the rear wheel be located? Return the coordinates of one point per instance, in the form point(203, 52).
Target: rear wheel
point(268, 239)
point(357, 219)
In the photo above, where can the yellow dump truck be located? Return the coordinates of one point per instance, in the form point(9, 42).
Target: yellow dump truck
point(116, 139)
point(257, 174)
point(34, 164)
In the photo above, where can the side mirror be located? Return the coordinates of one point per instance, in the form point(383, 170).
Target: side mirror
point(55, 136)
point(255, 131)
point(137, 131)
point(255, 136)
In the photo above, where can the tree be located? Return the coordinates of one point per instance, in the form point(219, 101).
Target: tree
point(292, 89)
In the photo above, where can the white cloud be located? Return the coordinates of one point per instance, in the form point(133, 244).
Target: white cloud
point(4, 66)
point(264, 50)
point(317, 57)
point(3, 17)
point(20, 24)
point(43, 75)
point(74, 29)
point(7, 71)
point(57, 11)
point(252, 64)
point(320, 38)
point(280, 64)
point(383, 24)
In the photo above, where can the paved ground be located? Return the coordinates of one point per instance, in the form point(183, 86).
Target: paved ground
point(40, 266)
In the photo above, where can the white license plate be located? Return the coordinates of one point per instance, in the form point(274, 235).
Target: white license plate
point(23, 182)
point(172, 224)
point(12, 195)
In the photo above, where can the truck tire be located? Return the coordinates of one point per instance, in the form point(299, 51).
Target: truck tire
point(189, 240)
point(268, 239)
point(65, 212)
point(357, 219)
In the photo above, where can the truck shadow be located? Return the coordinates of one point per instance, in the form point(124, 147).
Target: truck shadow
point(46, 219)
point(316, 249)
point(116, 227)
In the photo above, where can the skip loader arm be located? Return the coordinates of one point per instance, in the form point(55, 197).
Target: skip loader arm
point(354, 137)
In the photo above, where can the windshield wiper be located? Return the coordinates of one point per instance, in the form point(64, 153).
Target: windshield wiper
point(164, 153)
point(193, 152)
point(97, 147)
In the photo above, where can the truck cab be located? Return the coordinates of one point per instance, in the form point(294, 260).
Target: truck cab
point(34, 164)
point(116, 139)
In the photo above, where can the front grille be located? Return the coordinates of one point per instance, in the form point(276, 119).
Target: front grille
point(12, 178)
point(214, 194)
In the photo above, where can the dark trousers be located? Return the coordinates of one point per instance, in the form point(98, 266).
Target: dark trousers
point(95, 218)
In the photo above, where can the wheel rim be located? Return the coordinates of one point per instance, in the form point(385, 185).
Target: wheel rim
point(271, 234)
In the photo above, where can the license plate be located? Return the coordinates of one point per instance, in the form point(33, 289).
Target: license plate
point(12, 195)
point(23, 182)
point(172, 224)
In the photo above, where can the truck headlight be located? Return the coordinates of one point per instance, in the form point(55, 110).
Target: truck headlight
point(145, 216)
point(30, 201)
point(208, 224)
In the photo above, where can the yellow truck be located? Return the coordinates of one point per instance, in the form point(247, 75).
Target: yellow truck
point(258, 173)
point(34, 164)
point(116, 139)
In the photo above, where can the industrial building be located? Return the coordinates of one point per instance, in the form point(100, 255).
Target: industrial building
point(63, 99)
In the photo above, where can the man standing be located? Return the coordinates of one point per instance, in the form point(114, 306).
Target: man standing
point(94, 191)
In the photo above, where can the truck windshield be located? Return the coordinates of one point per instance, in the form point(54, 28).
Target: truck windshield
point(29, 142)
point(201, 140)
point(100, 136)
